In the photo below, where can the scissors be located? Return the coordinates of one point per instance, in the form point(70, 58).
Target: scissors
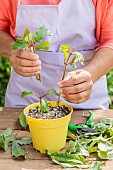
point(89, 123)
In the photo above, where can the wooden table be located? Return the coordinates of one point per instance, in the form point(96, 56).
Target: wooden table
point(36, 160)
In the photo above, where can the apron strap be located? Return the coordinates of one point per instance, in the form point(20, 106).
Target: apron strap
point(18, 2)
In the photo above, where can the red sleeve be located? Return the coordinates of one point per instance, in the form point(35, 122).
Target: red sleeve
point(8, 9)
point(106, 25)
point(4, 21)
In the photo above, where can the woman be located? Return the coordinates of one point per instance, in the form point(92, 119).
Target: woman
point(85, 25)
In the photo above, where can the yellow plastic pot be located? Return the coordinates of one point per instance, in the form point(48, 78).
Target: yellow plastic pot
point(48, 134)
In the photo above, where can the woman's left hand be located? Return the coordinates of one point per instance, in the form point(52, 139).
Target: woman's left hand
point(76, 87)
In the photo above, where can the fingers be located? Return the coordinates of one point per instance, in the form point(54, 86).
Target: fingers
point(25, 63)
point(27, 74)
point(76, 87)
point(75, 78)
point(22, 53)
point(26, 69)
point(77, 98)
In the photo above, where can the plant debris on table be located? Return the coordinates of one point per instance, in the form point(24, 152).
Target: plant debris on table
point(53, 112)
point(81, 146)
point(6, 138)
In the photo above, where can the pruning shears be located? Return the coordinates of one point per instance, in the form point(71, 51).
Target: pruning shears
point(89, 123)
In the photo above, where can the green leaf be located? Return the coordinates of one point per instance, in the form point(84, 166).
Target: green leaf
point(72, 147)
point(104, 146)
point(17, 150)
point(92, 149)
point(65, 49)
point(7, 132)
point(44, 105)
point(4, 143)
point(52, 91)
point(3, 140)
point(78, 57)
point(101, 126)
point(22, 120)
point(27, 31)
point(73, 65)
point(43, 46)
point(18, 45)
point(98, 165)
point(24, 141)
point(26, 93)
point(70, 136)
point(110, 154)
point(68, 160)
point(30, 37)
point(110, 131)
point(81, 150)
point(108, 122)
point(103, 155)
point(40, 34)
point(12, 138)
point(19, 39)
point(96, 140)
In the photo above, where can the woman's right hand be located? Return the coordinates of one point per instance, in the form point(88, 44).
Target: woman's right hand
point(25, 63)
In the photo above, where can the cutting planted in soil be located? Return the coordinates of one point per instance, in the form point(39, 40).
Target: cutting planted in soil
point(53, 113)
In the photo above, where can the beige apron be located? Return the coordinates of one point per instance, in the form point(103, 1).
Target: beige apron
point(71, 22)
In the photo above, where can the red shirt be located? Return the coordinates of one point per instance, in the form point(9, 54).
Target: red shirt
point(104, 18)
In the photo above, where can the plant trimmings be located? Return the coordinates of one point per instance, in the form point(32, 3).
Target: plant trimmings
point(33, 42)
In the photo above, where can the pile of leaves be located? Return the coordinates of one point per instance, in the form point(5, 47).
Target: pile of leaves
point(81, 147)
point(99, 142)
point(78, 154)
point(7, 138)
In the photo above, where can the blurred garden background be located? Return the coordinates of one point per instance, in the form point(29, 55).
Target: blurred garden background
point(5, 68)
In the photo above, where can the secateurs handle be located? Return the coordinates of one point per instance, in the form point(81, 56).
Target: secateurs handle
point(76, 127)
point(90, 121)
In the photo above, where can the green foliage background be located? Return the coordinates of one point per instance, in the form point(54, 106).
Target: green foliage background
point(110, 88)
point(5, 68)
point(4, 77)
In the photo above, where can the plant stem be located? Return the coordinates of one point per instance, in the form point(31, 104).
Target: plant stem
point(65, 65)
point(44, 95)
point(40, 97)
point(38, 76)
point(64, 72)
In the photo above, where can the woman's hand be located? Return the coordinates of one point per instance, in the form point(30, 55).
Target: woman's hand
point(25, 63)
point(76, 87)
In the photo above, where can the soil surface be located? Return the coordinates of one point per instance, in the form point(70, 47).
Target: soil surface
point(53, 113)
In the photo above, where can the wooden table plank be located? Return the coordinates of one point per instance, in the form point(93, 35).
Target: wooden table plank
point(27, 165)
point(10, 164)
point(36, 160)
point(9, 117)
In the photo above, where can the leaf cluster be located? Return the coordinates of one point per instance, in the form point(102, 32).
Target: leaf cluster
point(33, 41)
point(43, 102)
point(7, 137)
point(81, 147)
point(75, 56)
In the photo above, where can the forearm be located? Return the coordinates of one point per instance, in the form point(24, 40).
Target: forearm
point(101, 63)
point(5, 44)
